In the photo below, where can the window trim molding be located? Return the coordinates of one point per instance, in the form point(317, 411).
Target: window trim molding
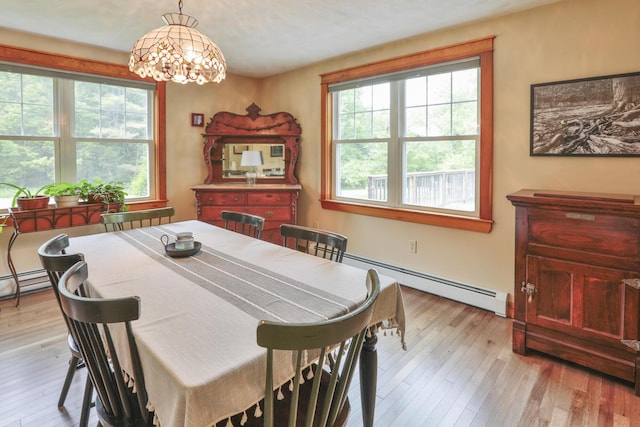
point(483, 48)
point(89, 66)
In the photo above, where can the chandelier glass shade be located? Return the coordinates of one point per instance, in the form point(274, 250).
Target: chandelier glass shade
point(178, 52)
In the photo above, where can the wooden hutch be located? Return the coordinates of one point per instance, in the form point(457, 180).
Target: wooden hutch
point(275, 195)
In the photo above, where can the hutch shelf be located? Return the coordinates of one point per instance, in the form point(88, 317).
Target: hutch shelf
point(577, 279)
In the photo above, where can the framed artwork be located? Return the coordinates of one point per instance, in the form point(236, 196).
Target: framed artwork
point(197, 119)
point(238, 149)
point(277, 150)
point(598, 116)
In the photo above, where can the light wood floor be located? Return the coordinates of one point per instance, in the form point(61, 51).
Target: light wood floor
point(459, 370)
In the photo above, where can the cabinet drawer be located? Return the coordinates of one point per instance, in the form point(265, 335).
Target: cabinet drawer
point(269, 198)
point(269, 213)
point(218, 199)
point(602, 234)
point(272, 213)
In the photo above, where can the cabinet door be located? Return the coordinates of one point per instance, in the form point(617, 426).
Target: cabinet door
point(582, 300)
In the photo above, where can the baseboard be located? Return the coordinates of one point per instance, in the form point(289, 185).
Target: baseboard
point(29, 281)
point(468, 294)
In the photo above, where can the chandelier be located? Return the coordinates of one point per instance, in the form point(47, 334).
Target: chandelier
point(178, 52)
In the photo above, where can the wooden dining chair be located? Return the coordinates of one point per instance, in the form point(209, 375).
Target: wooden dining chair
point(93, 323)
point(322, 243)
point(320, 401)
point(145, 218)
point(55, 261)
point(247, 224)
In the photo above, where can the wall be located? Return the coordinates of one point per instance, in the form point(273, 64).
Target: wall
point(566, 40)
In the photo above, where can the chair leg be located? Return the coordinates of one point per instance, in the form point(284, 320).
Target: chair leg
point(73, 365)
point(86, 403)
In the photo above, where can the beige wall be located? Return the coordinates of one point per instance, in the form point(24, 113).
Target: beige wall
point(567, 40)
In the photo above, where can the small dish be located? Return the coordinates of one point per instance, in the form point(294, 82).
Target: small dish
point(176, 253)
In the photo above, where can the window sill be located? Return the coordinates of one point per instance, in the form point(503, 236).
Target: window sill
point(430, 218)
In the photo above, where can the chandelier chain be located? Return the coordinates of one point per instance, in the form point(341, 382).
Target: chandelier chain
point(180, 6)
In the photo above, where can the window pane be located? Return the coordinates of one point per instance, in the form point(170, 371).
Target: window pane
point(416, 121)
point(416, 92)
point(362, 170)
point(465, 118)
point(10, 87)
point(27, 164)
point(439, 88)
point(439, 120)
point(440, 174)
point(11, 123)
point(38, 120)
point(464, 85)
point(111, 161)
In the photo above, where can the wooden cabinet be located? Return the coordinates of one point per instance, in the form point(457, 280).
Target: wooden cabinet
point(277, 203)
point(577, 279)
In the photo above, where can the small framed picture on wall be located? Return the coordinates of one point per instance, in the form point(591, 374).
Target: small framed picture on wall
point(197, 119)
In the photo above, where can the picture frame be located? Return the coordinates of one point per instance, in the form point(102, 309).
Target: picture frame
point(197, 119)
point(277, 150)
point(238, 149)
point(595, 117)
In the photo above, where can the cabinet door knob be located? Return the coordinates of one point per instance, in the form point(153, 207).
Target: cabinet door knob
point(529, 289)
point(268, 214)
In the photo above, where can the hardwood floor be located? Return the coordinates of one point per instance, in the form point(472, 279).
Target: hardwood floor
point(459, 370)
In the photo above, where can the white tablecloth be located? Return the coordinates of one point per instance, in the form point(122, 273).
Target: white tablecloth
point(196, 334)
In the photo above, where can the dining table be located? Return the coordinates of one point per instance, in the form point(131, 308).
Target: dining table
point(196, 334)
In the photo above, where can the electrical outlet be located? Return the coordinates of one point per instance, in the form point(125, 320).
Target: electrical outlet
point(413, 246)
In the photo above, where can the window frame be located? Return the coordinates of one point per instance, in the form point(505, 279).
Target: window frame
point(481, 48)
point(35, 58)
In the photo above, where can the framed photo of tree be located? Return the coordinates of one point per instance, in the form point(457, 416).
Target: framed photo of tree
point(597, 116)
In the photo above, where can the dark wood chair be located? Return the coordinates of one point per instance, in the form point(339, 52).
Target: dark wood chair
point(144, 218)
point(91, 321)
point(247, 224)
point(322, 243)
point(321, 401)
point(55, 262)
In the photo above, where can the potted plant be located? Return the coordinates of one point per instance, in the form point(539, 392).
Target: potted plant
point(110, 193)
point(64, 193)
point(26, 199)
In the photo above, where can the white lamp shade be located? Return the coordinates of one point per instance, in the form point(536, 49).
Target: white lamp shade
point(251, 158)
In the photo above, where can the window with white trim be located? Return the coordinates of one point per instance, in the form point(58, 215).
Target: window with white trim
point(403, 138)
point(64, 127)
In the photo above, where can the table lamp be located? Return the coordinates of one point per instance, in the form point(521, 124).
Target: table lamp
point(252, 159)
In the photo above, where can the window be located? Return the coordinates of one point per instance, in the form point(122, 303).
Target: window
point(57, 124)
point(403, 138)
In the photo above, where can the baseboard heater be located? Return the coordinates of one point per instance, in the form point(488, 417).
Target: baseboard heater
point(472, 295)
point(29, 281)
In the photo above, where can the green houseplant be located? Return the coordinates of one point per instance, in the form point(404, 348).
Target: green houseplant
point(110, 193)
point(64, 193)
point(26, 199)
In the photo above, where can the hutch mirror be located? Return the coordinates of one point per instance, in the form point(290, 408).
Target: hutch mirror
point(275, 136)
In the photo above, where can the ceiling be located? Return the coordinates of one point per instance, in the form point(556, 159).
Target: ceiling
point(258, 37)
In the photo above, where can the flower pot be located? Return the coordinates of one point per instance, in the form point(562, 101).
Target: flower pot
point(94, 198)
point(32, 203)
point(66, 201)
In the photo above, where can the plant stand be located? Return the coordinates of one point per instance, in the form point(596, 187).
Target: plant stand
point(31, 221)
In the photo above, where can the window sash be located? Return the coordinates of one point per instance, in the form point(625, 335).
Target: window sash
point(65, 145)
point(392, 190)
point(481, 48)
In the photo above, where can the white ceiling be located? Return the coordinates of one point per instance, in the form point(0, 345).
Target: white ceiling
point(258, 37)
